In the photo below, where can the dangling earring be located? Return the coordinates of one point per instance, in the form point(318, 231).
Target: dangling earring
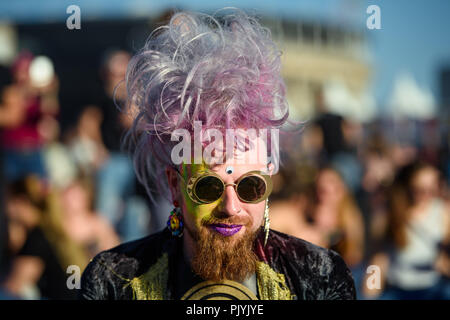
point(175, 222)
point(266, 222)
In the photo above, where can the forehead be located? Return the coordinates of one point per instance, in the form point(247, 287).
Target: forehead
point(329, 175)
point(245, 157)
point(242, 149)
point(426, 175)
point(237, 169)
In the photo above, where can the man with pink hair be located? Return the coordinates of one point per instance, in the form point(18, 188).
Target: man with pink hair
point(205, 92)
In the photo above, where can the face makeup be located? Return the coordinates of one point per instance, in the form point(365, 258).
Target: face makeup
point(201, 215)
point(225, 229)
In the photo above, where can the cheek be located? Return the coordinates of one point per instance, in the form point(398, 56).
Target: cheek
point(256, 211)
point(195, 213)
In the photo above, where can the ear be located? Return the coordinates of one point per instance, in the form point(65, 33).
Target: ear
point(172, 181)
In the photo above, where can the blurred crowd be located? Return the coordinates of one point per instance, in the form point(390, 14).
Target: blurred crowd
point(66, 196)
point(379, 199)
point(359, 189)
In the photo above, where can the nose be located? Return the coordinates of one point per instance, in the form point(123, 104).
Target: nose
point(230, 204)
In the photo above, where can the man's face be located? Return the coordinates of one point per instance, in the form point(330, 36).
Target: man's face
point(222, 232)
point(228, 210)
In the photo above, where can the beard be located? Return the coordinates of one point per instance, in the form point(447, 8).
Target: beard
point(217, 257)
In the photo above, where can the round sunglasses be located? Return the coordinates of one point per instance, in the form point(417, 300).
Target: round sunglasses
point(207, 187)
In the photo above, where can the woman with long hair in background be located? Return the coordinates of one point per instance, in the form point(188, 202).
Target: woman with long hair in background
point(337, 216)
point(414, 257)
point(41, 247)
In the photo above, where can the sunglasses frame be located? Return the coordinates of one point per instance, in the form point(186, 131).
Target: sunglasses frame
point(192, 182)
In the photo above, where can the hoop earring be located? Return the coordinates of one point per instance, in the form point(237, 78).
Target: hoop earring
point(266, 222)
point(175, 222)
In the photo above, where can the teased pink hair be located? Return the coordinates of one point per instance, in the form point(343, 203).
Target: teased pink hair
point(222, 70)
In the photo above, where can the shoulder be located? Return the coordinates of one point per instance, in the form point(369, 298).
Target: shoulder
point(313, 270)
point(111, 269)
point(297, 248)
point(134, 253)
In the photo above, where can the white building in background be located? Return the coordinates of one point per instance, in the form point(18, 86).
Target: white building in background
point(8, 43)
point(330, 57)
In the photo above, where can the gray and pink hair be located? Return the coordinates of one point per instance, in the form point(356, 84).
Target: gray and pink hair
point(222, 70)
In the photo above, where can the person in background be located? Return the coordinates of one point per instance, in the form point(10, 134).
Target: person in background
point(330, 125)
point(340, 138)
point(11, 101)
point(414, 260)
point(85, 145)
point(6, 117)
point(81, 223)
point(337, 217)
point(379, 171)
point(116, 197)
point(289, 202)
point(43, 250)
point(32, 119)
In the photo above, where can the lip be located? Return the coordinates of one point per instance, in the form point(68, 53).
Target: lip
point(226, 230)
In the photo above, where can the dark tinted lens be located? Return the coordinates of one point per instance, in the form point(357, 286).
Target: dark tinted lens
point(209, 189)
point(251, 188)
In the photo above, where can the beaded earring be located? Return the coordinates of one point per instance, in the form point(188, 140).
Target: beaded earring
point(175, 221)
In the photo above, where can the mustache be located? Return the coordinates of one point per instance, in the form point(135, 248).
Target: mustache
point(245, 221)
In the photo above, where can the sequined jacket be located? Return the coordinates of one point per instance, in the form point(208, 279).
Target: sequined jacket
point(289, 268)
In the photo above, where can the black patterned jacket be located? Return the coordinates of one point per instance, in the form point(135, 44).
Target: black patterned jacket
point(289, 268)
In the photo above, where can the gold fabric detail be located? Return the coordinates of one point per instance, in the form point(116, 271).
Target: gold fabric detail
point(152, 285)
point(271, 285)
point(223, 290)
point(112, 271)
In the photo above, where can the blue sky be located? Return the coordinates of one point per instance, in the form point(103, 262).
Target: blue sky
point(415, 34)
point(414, 37)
